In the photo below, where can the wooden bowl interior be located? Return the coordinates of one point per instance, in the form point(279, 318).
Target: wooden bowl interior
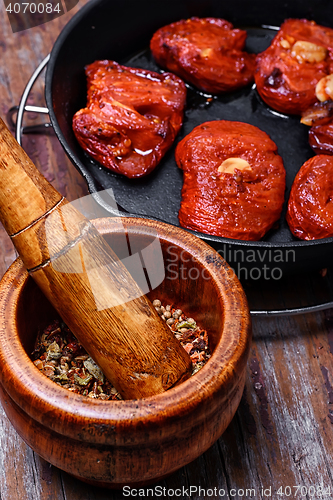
point(33, 313)
point(187, 285)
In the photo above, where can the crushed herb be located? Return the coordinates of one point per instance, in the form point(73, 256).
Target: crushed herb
point(59, 355)
point(193, 338)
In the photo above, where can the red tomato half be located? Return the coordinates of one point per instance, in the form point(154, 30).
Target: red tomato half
point(321, 138)
point(205, 52)
point(289, 70)
point(239, 199)
point(310, 206)
point(132, 116)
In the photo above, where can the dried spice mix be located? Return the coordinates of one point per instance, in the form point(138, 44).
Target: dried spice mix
point(61, 357)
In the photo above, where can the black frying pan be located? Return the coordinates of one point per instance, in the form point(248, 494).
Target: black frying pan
point(105, 29)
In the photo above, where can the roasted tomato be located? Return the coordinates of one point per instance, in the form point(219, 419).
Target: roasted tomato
point(320, 117)
point(321, 138)
point(300, 55)
point(320, 113)
point(234, 180)
point(310, 206)
point(205, 52)
point(132, 116)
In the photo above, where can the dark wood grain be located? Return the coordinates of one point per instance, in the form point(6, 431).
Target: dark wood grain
point(282, 433)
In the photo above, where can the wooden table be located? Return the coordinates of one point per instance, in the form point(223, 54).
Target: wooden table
point(281, 439)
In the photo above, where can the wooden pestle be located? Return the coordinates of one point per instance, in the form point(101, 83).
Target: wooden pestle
point(68, 259)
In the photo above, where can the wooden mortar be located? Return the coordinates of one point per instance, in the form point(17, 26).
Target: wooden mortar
point(116, 443)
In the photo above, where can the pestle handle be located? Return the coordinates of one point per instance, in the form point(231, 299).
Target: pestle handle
point(70, 261)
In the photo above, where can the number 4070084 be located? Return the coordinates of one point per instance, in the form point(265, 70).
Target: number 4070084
point(32, 8)
point(304, 491)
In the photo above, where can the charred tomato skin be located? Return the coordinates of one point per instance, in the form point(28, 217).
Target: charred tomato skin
point(206, 52)
point(240, 205)
point(310, 205)
point(132, 116)
point(284, 80)
point(321, 138)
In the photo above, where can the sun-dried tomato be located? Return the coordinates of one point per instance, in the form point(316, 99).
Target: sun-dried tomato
point(287, 72)
point(310, 206)
point(206, 52)
point(132, 116)
point(234, 180)
point(321, 138)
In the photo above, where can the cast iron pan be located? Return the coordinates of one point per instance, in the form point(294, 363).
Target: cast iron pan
point(105, 29)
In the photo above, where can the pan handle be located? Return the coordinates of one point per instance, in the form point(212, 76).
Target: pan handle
point(20, 110)
point(31, 129)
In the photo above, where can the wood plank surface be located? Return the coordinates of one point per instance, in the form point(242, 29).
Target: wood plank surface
point(282, 434)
